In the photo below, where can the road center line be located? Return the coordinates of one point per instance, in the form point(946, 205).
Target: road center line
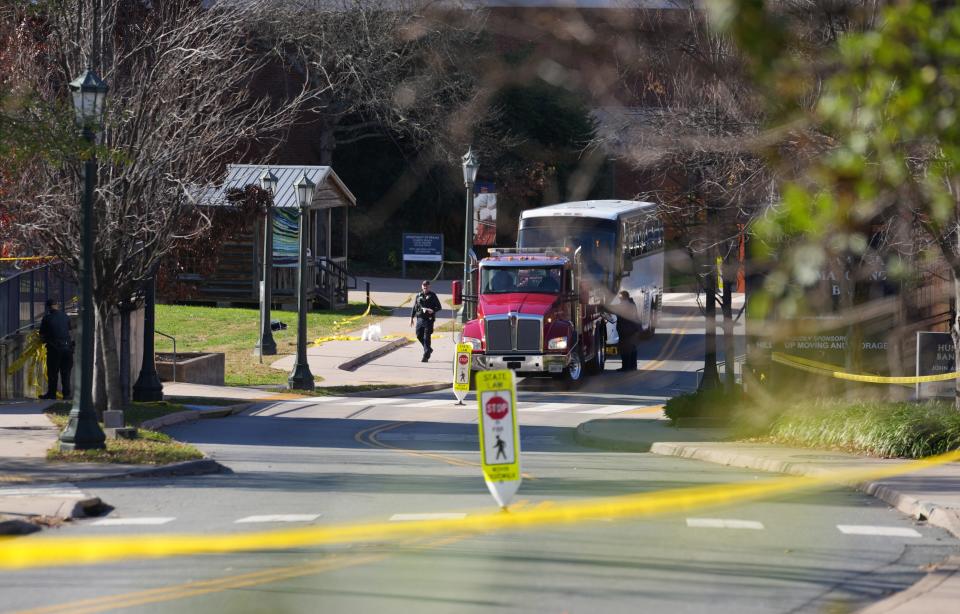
point(724, 523)
point(862, 529)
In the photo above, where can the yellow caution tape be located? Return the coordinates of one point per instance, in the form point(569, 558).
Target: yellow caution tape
point(27, 258)
point(33, 358)
point(16, 553)
point(812, 366)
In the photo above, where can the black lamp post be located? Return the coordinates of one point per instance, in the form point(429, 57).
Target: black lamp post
point(266, 346)
point(83, 432)
point(148, 386)
point(470, 167)
point(301, 378)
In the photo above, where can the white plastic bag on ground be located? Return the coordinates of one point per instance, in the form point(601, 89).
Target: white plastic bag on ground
point(371, 333)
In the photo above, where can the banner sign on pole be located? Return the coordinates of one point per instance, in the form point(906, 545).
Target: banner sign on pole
point(499, 436)
point(461, 371)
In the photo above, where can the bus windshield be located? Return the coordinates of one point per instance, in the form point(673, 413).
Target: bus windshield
point(503, 280)
point(596, 237)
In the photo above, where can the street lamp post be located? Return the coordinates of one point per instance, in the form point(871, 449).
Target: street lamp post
point(83, 432)
point(266, 346)
point(148, 386)
point(301, 378)
point(470, 167)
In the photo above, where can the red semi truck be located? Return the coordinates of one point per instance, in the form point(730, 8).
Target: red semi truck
point(539, 309)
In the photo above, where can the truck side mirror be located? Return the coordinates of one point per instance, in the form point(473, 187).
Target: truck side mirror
point(457, 287)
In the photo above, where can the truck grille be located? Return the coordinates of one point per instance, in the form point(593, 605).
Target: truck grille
point(517, 334)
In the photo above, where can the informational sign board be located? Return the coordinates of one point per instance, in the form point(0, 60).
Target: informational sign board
point(461, 371)
point(499, 436)
point(422, 247)
point(935, 355)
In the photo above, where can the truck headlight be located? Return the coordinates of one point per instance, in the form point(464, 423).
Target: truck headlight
point(473, 341)
point(557, 343)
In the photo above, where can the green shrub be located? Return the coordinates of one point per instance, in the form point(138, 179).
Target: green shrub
point(879, 428)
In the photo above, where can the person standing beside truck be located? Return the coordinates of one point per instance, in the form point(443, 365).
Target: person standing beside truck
point(425, 308)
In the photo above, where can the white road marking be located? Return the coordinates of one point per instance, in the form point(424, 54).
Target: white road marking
point(435, 516)
point(57, 489)
point(548, 407)
point(863, 529)
point(724, 523)
point(117, 522)
point(433, 403)
point(278, 518)
point(372, 401)
point(610, 409)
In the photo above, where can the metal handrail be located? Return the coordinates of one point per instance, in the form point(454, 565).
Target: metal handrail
point(174, 339)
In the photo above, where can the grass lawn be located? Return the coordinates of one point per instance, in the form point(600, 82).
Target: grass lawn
point(151, 448)
point(235, 331)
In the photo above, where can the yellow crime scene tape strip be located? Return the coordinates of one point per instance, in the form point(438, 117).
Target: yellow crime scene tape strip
point(15, 258)
point(19, 553)
point(812, 366)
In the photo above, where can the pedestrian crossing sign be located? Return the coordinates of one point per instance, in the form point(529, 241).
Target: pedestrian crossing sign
point(461, 371)
point(499, 436)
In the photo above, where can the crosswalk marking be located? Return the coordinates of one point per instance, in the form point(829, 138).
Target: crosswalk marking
point(861, 529)
point(724, 523)
point(373, 401)
point(278, 518)
point(117, 522)
point(609, 409)
point(434, 516)
point(434, 403)
point(548, 407)
point(57, 489)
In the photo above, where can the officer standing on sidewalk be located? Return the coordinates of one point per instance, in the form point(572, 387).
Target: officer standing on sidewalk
point(425, 308)
point(55, 332)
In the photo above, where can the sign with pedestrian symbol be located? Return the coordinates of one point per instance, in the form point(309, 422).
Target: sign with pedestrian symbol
point(461, 372)
point(499, 437)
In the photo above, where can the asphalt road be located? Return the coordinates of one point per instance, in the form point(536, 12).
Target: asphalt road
point(353, 460)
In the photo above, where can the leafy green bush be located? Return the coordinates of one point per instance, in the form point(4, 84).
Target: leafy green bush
point(879, 428)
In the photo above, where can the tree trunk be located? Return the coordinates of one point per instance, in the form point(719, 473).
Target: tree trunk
point(111, 359)
point(729, 347)
point(99, 374)
point(711, 379)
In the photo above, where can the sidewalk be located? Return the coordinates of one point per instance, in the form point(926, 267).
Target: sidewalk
point(932, 494)
point(401, 366)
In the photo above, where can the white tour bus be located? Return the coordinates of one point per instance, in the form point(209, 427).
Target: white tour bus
point(622, 243)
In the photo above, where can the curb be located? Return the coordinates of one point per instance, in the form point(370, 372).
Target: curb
point(192, 415)
point(936, 515)
point(202, 466)
point(354, 363)
point(948, 571)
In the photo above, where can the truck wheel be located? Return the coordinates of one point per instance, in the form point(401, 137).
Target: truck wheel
point(599, 362)
point(573, 374)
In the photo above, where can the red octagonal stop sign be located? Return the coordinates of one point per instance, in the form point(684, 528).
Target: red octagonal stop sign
point(463, 359)
point(497, 408)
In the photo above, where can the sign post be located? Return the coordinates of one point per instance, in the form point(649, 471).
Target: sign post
point(499, 437)
point(461, 372)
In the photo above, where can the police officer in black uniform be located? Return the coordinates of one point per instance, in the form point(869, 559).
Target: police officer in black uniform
point(425, 308)
point(55, 332)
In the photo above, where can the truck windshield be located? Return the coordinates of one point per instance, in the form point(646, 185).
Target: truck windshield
point(503, 280)
point(596, 237)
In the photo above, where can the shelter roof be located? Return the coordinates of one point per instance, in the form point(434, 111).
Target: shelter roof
point(242, 175)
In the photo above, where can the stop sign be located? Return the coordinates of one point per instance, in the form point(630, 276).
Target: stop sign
point(497, 408)
point(462, 359)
